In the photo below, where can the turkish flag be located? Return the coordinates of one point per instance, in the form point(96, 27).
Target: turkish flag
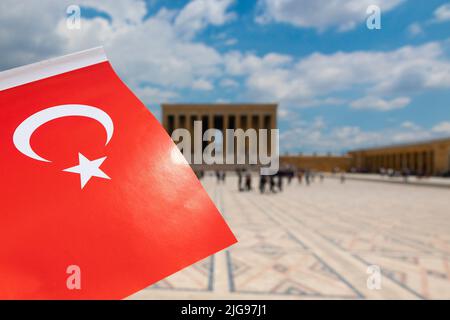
point(96, 200)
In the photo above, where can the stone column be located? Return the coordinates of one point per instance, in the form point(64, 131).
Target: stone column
point(224, 134)
point(165, 118)
point(210, 121)
point(415, 162)
point(427, 163)
point(262, 126)
point(273, 121)
point(176, 120)
point(237, 123)
point(419, 162)
point(431, 160)
point(410, 160)
point(192, 117)
point(188, 122)
point(238, 120)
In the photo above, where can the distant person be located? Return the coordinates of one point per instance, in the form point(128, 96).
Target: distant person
point(342, 177)
point(321, 177)
point(390, 172)
point(307, 177)
point(262, 183)
point(223, 176)
point(290, 175)
point(272, 184)
point(239, 173)
point(280, 181)
point(405, 173)
point(420, 174)
point(300, 177)
point(248, 181)
point(218, 176)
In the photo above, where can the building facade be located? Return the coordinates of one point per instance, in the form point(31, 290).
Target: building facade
point(220, 116)
point(423, 158)
point(324, 163)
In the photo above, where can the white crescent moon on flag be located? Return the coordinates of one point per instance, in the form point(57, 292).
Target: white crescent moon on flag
point(25, 130)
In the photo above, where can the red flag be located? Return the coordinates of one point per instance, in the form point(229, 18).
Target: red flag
point(96, 200)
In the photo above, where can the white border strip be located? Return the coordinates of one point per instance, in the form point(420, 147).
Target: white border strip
point(52, 67)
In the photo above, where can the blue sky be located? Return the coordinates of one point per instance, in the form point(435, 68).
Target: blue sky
point(339, 85)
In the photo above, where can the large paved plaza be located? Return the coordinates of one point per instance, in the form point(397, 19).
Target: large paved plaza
point(317, 242)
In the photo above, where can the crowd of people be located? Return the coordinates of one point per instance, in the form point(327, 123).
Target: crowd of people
point(404, 173)
point(275, 183)
point(271, 183)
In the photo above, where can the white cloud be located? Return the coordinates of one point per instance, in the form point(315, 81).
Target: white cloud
point(159, 55)
point(29, 30)
point(442, 128)
point(22, 38)
point(164, 60)
point(198, 14)
point(122, 11)
point(320, 14)
point(237, 63)
point(202, 84)
point(442, 13)
point(309, 137)
point(153, 95)
point(380, 104)
point(230, 42)
point(410, 125)
point(221, 100)
point(229, 83)
point(153, 52)
point(320, 78)
point(223, 39)
point(150, 51)
point(283, 114)
point(415, 29)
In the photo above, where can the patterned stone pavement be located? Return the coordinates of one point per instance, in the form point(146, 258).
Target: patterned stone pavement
point(317, 242)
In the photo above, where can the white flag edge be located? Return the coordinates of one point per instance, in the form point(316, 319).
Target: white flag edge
point(51, 67)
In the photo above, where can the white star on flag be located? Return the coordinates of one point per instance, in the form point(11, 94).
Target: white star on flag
point(88, 169)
